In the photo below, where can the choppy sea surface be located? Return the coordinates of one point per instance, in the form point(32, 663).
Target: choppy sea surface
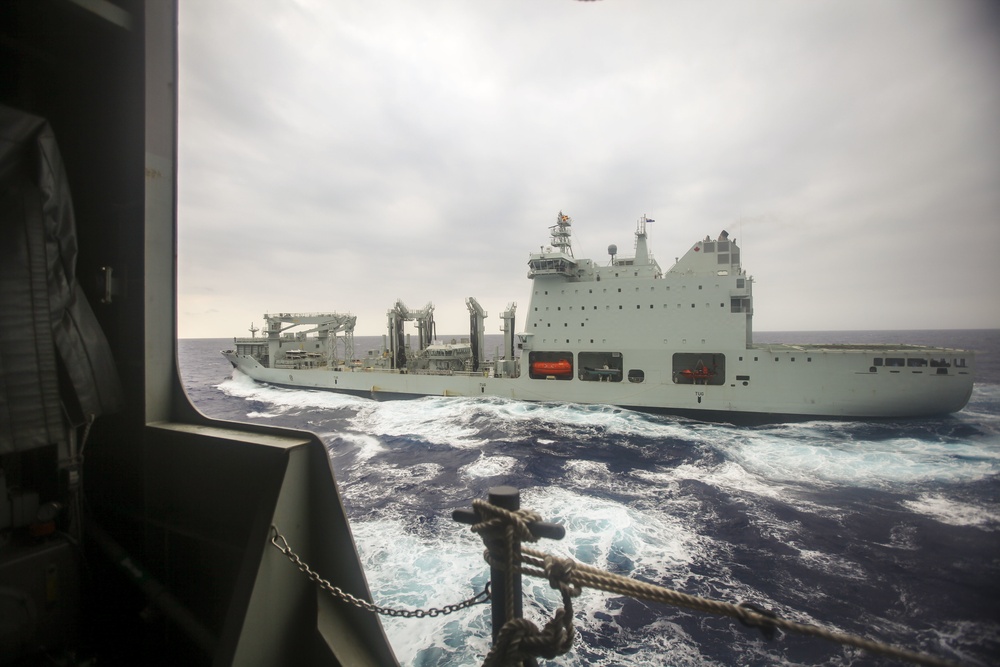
point(890, 530)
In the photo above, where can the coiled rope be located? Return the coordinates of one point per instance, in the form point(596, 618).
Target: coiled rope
point(503, 531)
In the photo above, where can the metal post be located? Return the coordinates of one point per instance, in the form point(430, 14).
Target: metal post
point(509, 498)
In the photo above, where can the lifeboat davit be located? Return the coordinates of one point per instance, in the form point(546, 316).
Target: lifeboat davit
point(697, 373)
point(561, 367)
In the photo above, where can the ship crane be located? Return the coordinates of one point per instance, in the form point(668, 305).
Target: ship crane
point(476, 335)
point(327, 326)
point(324, 321)
point(426, 330)
point(508, 366)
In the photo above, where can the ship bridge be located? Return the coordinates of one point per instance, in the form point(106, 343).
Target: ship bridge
point(556, 260)
point(549, 264)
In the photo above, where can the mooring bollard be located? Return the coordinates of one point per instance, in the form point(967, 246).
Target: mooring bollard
point(508, 498)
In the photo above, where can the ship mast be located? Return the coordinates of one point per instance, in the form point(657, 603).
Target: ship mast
point(641, 249)
point(561, 233)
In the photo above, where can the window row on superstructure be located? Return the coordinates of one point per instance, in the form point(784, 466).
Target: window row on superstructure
point(736, 305)
point(740, 284)
point(916, 364)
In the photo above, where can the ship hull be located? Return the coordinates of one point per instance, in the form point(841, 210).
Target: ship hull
point(830, 386)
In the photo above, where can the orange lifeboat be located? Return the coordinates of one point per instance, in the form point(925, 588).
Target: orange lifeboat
point(560, 367)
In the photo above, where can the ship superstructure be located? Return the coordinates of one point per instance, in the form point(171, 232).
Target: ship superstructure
point(627, 333)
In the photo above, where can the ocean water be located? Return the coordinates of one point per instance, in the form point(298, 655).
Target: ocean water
point(890, 530)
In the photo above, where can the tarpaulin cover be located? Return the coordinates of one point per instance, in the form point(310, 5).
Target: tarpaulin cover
point(56, 368)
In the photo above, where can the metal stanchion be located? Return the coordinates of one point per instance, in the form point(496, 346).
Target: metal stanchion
point(508, 498)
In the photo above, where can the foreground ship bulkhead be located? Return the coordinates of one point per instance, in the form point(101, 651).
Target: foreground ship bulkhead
point(624, 333)
point(166, 558)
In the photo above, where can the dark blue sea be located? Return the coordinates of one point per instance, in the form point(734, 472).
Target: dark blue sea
point(889, 530)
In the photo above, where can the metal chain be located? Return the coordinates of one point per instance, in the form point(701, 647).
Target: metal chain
point(340, 594)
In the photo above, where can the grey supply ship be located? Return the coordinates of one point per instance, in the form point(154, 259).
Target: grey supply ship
point(625, 333)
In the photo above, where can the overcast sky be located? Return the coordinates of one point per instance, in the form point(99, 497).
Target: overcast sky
point(339, 155)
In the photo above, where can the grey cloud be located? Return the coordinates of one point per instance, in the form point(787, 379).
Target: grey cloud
point(360, 152)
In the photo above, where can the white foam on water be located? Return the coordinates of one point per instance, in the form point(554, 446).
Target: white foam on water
point(566, 419)
point(420, 569)
point(426, 566)
point(659, 496)
point(262, 415)
point(653, 535)
point(957, 637)
point(489, 466)
point(830, 564)
point(803, 456)
point(589, 474)
point(609, 419)
point(435, 420)
point(366, 446)
point(609, 535)
point(243, 386)
point(740, 482)
point(956, 513)
point(652, 543)
point(662, 642)
point(380, 480)
point(728, 475)
point(903, 536)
